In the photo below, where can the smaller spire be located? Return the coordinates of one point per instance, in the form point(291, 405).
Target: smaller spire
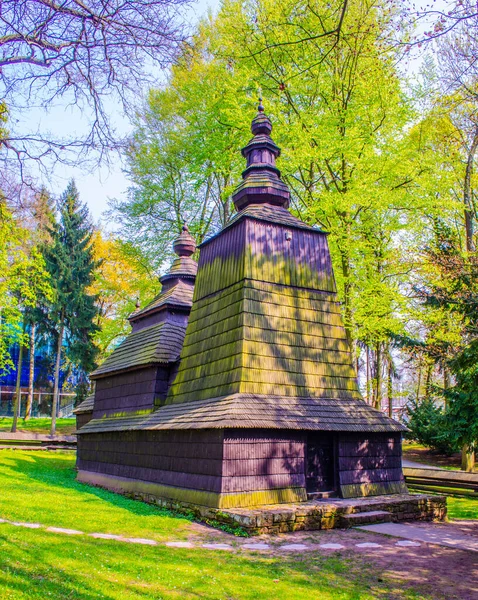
point(138, 304)
point(184, 244)
point(260, 108)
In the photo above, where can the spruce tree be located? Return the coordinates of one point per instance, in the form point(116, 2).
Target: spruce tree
point(71, 265)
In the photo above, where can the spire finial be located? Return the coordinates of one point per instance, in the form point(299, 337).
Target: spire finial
point(138, 304)
point(260, 107)
point(184, 245)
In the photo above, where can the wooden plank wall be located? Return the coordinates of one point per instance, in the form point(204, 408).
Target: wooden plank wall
point(263, 460)
point(188, 459)
point(370, 458)
point(266, 252)
point(221, 262)
point(295, 257)
point(131, 391)
point(83, 419)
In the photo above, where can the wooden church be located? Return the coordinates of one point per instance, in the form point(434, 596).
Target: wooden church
point(236, 386)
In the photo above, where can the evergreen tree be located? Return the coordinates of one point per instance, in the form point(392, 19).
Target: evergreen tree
point(72, 313)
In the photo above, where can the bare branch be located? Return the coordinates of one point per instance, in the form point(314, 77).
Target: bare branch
point(81, 52)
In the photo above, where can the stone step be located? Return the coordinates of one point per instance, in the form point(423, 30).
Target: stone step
point(321, 495)
point(365, 518)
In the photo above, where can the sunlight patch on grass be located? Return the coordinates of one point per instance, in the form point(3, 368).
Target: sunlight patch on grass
point(462, 508)
point(34, 425)
point(40, 487)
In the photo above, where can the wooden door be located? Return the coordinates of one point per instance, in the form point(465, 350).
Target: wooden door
point(320, 464)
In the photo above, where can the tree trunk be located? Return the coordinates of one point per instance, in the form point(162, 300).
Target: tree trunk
point(31, 374)
point(56, 388)
point(467, 458)
point(369, 379)
point(428, 380)
point(446, 383)
point(17, 405)
point(378, 379)
point(390, 387)
point(419, 382)
point(467, 199)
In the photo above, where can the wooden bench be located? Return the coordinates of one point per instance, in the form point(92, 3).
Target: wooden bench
point(455, 483)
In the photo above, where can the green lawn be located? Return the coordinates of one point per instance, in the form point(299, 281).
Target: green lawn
point(63, 426)
point(35, 564)
point(462, 508)
point(40, 486)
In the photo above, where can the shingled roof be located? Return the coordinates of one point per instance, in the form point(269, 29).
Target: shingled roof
point(158, 344)
point(179, 296)
point(86, 406)
point(240, 411)
point(265, 345)
point(178, 282)
point(157, 336)
point(265, 339)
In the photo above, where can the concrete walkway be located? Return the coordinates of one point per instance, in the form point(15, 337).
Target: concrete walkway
point(442, 536)
point(410, 464)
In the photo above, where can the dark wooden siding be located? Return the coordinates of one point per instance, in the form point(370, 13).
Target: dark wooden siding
point(188, 459)
point(265, 252)
point(295, 257)
point(263, 460)
point(370, 458)
point(221, 262)
point(83, 419)
point(131, 391)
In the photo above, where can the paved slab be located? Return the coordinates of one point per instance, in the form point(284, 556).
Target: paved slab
point(180, 544)
point(439, 536)
point(407, 543)
point(218, 546)
point(256, 546)
point(411, 464)
point(293, 547)
point(143, 541)
point(106, 536)
point(332, 546)
point(28, 525)
point(65, 531)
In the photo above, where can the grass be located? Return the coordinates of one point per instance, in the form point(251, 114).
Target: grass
point(35, 564)
point(34, 425)
point(40, 487)
point(462, 508)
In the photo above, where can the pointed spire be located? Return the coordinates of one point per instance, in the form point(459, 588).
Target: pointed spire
point(185, 244)
point(184, 266)
point(261, 180)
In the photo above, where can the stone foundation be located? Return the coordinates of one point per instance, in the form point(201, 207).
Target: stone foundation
point(311, 515)
point(330, 514)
